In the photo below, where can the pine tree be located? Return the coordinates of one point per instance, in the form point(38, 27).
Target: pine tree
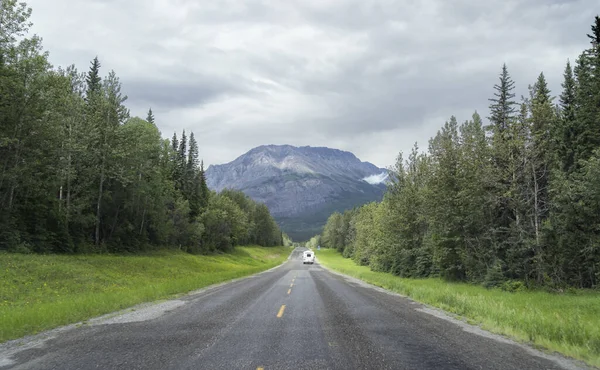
point(543, 120)
point(192, 185)
point(587, 72)
point(204, 191)
point(474, 198)
point(502, 119)
point(192, 161)
point(502, 106)
point(174, 161)
point(182, 150)
point(565, 136)
point(595, 35)
point(175, 143)
point(150, 117)
point(93, 78)
point(447, 220)
point(181, 162)
point(541, 162)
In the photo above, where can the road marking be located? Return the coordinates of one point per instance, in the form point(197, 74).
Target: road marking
point(289, 290)
point(291, 285)
point(260, 368)
point(280, 313)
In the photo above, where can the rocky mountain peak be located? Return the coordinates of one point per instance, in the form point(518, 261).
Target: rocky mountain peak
point(301, 185)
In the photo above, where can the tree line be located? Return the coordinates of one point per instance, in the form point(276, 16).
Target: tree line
point(79, 174)
point(516, 200)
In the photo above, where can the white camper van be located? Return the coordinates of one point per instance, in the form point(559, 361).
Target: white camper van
point(308, 257)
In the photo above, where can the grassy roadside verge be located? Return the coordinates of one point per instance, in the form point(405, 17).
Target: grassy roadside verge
point(567, 323)
point(40, 292)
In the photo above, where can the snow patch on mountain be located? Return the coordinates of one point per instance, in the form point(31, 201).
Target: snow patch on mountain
point(376, 179)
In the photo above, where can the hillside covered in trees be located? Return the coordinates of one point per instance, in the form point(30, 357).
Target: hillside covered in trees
point(516, 199)
point(78, 174)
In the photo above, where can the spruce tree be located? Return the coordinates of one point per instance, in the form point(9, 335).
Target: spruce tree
point(595, 35)
point(182, 151)
point(502, 118)
point(502, 105)
point(150, 117)
point(93, 78)
point(192, 162)
point(192, 184)
point(541, 161)
point(565, 135)
point(587, 97)
point(181, 162)
point(175, 143)
point(204, 191)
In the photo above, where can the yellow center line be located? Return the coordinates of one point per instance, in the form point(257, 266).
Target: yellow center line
point(289, 290)
point(260, 368)
point(280, 313)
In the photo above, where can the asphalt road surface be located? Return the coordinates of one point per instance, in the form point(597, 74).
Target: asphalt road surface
point(292, 317)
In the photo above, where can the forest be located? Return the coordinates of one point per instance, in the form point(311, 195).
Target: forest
point(511, 201)
point(78, 174)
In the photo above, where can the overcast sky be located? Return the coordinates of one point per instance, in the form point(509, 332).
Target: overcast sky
point(370, 77)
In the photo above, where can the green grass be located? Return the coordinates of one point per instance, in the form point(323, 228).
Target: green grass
point(40, 292)
point(565, 323)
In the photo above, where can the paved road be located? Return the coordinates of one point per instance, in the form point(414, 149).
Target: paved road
point(292, 317)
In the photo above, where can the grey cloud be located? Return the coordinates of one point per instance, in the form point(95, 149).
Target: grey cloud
point(169, 95)
point(350, 73)
point(172, 95)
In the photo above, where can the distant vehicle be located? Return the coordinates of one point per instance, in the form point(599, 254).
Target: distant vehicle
point(308, 257)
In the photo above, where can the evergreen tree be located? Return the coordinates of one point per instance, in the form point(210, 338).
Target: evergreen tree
point(182, 152)
point(204, 191)
point(93, 78)
point(475, 200)
point(192, 161)
point(181, 162)
point(150, 117)
point(541, 158)
point(565, 136)
point(192, 185)
point(446, 219)
point(595, 35)
point(174, 160)
point(175, 143)
point(502, 119)
point(588, 99)
point(502, 105)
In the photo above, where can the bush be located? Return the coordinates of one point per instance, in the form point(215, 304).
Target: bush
point(513, 286)
point(494, 276)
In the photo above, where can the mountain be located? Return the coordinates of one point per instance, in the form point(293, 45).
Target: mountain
point(301, 186)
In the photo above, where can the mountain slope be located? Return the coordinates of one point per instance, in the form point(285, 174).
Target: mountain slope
point(301, 186)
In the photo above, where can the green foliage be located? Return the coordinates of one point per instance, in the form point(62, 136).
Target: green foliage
point(494, 276)
point(514, 204)
point(513, 286)
point(150, 117)
point(93, 78)
point(79, 175)
point(314, 242)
